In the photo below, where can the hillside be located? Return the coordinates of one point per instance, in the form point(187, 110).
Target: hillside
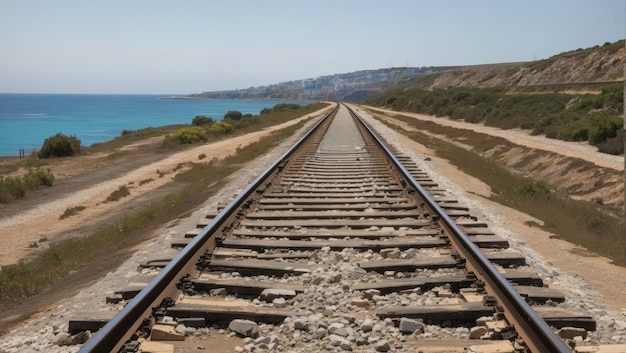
point(598, 64)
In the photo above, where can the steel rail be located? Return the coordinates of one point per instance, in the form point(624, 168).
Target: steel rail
point(112, 336)
point(537, 335)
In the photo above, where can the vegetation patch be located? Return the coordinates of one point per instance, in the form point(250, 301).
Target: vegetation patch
point(60, 145)
point(145, 181)
point(596, 118)
point(582, 223)
point(122, 191)
point(15, 188)
point(204, 128)
point(21, 281)
point(71, 211)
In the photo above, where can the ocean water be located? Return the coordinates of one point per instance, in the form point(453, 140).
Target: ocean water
point(26, 120)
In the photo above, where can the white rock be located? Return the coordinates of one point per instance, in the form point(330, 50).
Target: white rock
point(245, 328)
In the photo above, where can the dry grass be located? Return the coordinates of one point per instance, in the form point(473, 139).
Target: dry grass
point(21, 281)
point(583, 223)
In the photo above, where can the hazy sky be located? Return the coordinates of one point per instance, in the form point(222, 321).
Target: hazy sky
point(179, 47)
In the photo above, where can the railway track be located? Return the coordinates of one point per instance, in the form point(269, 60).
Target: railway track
point(340, 245)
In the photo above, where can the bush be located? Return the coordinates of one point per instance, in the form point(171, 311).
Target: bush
point(70, 211)
point(192, 134)
point(613, 145)
point(201, 120)
point(14, 188)
point(220, 127)
point(233, 114)
point(603, 128)
point(586, 117)
point(36, 178)
point(285, 106)
point(533, 188)
point(11, 189)
point(60, 145)
point(122, 191)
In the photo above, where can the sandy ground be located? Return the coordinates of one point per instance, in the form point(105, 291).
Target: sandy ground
point(20, 230)
point(570, 149)
point(605, 281)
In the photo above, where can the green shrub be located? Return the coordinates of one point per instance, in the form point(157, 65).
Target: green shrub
point(285, 106)
point(122, 191)
point(220, 127)
point(192, 134)
point(60, 145)
point(70, 211)
point(233, 114)
point(201, 120)
point(613, 145)
point(36, 178)
point(14, 188)
point(532, 189)
point(604, 127)
point(11, 189)
point(145, 181)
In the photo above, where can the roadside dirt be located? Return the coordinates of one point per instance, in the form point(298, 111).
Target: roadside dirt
point(605, 281)
point(29, 225)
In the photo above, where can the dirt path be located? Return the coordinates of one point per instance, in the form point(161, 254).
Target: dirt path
point(580, 150)
point(22, 226)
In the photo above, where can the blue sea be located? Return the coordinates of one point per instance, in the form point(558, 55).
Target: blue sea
point(26, 120)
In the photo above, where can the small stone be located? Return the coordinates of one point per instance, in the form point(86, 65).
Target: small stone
point(168, 320)
point(244, 328)
point(162, 332)
point(320, 332)
point(62, 339)
point(329, 310)
point(219, 292)
point(571, 332)
point(301, 324)
point(360, 302)
point(335, 326)
point(345, 345)
point(382, 346)
point(279, 303)
point(266, 340)
point(335, 340)
point(336, 278)
point(339, 329)
point(390, 253)
point(349, 317)
point(370, 293)
point(410, 326)
point(477, 332)
point(367, 325)
point(445, 293)
point(268, 295)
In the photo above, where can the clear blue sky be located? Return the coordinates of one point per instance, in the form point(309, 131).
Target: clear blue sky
point(179, 47)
